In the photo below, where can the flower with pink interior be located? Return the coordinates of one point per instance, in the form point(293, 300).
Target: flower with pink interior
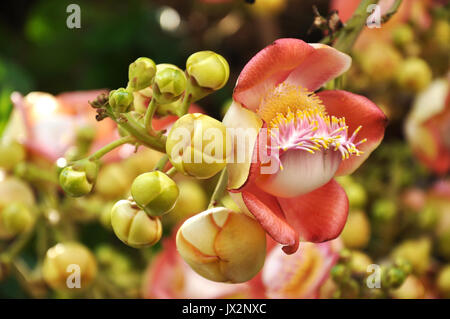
point(47, 124)
point(313, 137)
point(427, 126)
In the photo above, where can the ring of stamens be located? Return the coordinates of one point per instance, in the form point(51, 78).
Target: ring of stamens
point(304, 125)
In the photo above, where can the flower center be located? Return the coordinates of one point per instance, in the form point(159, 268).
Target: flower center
point(297, 119)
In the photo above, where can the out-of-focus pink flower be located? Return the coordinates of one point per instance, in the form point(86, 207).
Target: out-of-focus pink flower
point(410, 10)
point(301, 274)
point(317, 136)
point(427, 126)
point(50, 122)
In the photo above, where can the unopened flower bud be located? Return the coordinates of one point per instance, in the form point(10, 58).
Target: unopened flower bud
point(11, 153)
point(222, 245)
point(443, 281)
point(209, 69)
point(340, 273)
point(191, 200)
point(155, 192)
point(170, 83)
point(414, 74)
point(120, 100)
point(411, 288)
point(415, 251)
point(13, 190)
point(359, 263)
point(356, 233)
point(133, 226)
point(141, 73)
point(17, 218)
point(79, 178)
point(113, 181)
point(69, 265)
point(403, 35)
point(196, 145)
point(393, 277)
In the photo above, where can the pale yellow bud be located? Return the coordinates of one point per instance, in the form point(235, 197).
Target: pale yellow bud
point(133, 226)
point(356, 233)
point(65, 262)
point(197, 146)
point(222, 245)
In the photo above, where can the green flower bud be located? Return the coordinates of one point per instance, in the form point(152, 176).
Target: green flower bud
point(196, 145)
point(414, 74)
point(155, 192)
point(359, 263)
point(209, 69)
point(58, 268)
point(170, 83)
point(443, 281)
point(384, 210)
point(113, 181)
point(133, 226)
point(141, 73)
point(393, 277)
point(340, 273)
point(403, 264)
point(79, 178)
point(403, 35)
point(17, 218)
point(121, 100)
point(11, 153)
point(13, 190)
point(443, 244)
point(105, 216)
point(417, 252)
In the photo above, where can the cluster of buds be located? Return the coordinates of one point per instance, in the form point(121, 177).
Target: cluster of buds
point(195, 146)
point(136, 221)
point(357, 277)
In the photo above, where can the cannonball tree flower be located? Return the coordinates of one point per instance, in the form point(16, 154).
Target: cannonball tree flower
point(314, 137)
point(427, 126)
point(47, 124)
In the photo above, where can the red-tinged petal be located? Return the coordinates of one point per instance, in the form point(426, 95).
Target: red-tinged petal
point(318, 216)
point(324, 64)
point(267, 68)
point(357, 110)
point(267, 212)
point(345, 8)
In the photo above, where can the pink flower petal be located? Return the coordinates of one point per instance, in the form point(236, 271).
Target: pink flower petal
point(319, 215)
point(267, 68)
point(357, 110)
point(324, 64)
point(268, 213)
